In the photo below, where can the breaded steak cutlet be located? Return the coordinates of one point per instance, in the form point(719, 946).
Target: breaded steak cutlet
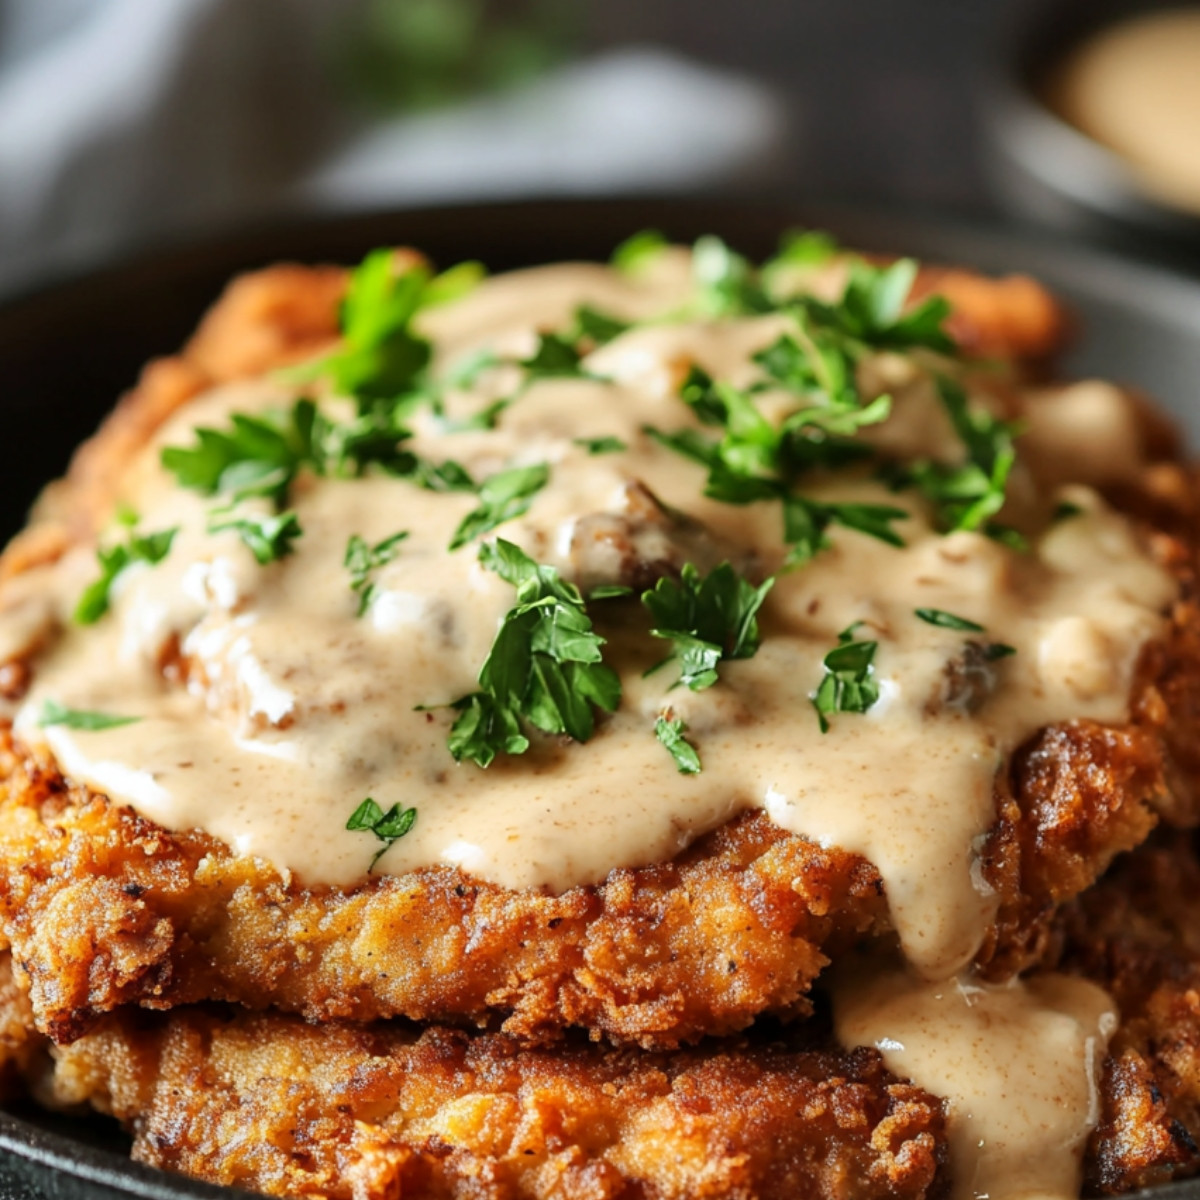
point(268, 1103)
point(104, 909)
point(359, 1111)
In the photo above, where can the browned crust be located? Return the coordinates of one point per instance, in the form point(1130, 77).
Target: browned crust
point(1138, 934)
point(104, 909)
point(341, 1111)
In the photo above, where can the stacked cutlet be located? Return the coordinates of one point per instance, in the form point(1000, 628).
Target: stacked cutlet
point(613, 1010)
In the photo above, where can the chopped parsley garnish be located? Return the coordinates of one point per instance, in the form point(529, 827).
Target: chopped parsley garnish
point(849, 684)
point(637, 252)
point(968, 495)
point(945, 620)
point(670, 731)
point(389, 827)
point(268, 536)
point(545, 666)
point(256, 456)
point(556, 357)
point(382, 360)
point(601, 445)
point(1065, 509)
point(502, 497)
point(707, 619)
point(54, 713)
point(362, 560)
point(149, 548)
point(596, 327)
point(871, 310)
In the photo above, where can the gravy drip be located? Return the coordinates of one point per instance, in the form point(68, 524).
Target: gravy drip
point(1019, 1063)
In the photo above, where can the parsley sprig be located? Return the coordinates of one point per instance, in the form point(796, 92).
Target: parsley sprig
point(670, 731)
point(362, 560)
point(502, 497)
point(545, 667)
point(150, 548)
point(389, 827)
point(707, 619)
point(969, 494)
point(849, 684)
point(268, 536)
point(991, 651)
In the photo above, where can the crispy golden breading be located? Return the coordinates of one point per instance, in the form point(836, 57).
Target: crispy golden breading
point(271, 1104)
point(104, 909)
point(1138, 934)
point(20, 1044)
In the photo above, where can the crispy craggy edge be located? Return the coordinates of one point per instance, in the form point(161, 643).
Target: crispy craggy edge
point(105, 909)
point(380, 1111)
point(1137, 933)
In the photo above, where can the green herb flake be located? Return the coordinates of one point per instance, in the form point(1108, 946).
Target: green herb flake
point(502, 497)
point(389, 827)
point(268, 536)
point(545, 667)
point(362, 560)
point(54, 713)
point(150, 548)
point(969, 495)
point(945, 620)
point(601, 445)
point(670, 732)
point(849, 684)
point(636, 253)
point(707, 619)
point(997, 650)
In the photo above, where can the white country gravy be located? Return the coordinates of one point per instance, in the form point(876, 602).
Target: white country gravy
point(268, 709)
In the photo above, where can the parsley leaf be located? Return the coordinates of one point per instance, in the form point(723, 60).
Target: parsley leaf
point(362, 560)
point(54, 713)
point(968, 495)
point(502, 497)
point(727, 283)
point(596, 327)
point(545, 666)
point(149, 548)
point(992, 651)
point(268, 536)
point(635, 253)
point(849, 684)
point(601, 445)
point(945, 620)
point(707, 619)
point(382, 360)
point(389, 827)
point(670, 732)
point(871, 310)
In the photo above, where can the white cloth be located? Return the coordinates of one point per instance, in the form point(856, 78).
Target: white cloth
point(127, 121)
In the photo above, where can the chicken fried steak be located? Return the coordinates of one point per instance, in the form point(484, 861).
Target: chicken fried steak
point(610, 648)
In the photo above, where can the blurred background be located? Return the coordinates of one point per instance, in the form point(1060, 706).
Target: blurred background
point(126, 123)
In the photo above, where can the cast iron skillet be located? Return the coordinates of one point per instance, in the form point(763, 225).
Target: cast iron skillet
point(66, 352)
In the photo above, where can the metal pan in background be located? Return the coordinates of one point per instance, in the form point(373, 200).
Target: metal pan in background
point(68, 351)
point(1043, 168)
